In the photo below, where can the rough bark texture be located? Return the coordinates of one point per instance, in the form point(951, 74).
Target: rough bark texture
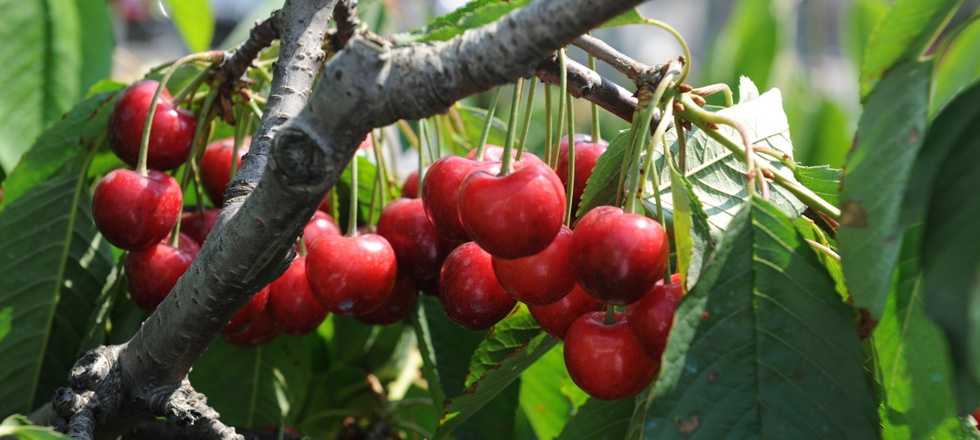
point(290, 167)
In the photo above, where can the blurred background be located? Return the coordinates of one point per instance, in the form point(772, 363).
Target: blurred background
point(810, 50)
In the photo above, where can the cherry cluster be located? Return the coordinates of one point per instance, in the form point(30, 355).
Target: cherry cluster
point(517, 249)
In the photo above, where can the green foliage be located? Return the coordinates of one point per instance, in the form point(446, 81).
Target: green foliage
point(21, 428)
point(762, 347)
point(52, 51)
point(860, 18)
point(194, 21)
point(692, 235)
point(890, 134)
point(748, 44)
point(958, 66)
point(599, 420)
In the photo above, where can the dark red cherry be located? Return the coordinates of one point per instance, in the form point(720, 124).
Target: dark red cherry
point(292, 305)
point(652, 315)
point(399, 304)
point(604, 360)
point(258, 332)
point(216, 166)
point(468, 290)
point(419, 248)
point(351, 275)
point(171, 132)
point(247, 314)
point(586, 155)
point(152, 273)
point(410, 189)
point(321, 224)
point(199, 224)
point(539, 279)
point(440, 189)
point(557, 317)
point(135, 212)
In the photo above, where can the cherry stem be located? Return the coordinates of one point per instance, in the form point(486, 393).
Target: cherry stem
point(715, 88)
point(381, 176)
point(595, 107)
point(482, 143)
point(375, 189)
point(562, 95)
point(680, 39)
point(681, 144)
point(435, 147)
point(421, 159)
point(507, 165)
point(202, 122)
point(194, 84)
point(302, 246)
point(527, 120)
point(352, 218)
point(547, 125)
point(570, 187)
point(610, 315)
point(406, 130)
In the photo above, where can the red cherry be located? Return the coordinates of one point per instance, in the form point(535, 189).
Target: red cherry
point(617, 257)
point(171, 133)
point(586, 155)
point(399, 304)
point(260, 331)
point(429, 287)
point(151, 274)
point(351, 275)
point(516, 215)
point(199, 224)
point(539, 279)
point(245, 315)
point(292, 305)
point(419, 248)
point(604, 360)
point(321, 224)
point(557, 317)
point(216, 166)
point(134, 212)
point(440, 189)
point(495, 153)
point(410, 189)
point(651, 316)
point(469, 291)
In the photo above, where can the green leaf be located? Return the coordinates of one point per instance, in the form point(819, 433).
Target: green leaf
point(890, 134)
point(832, 132)
point(473, 121)
point(958, 67)
point(194, 21)
point(452, 346)
point(903, 34)
point(52, 51)
point(366, 183)
point(762, 347)
point(691, 232)
point(255, 386)
point(60, 146)
point(599, 420)
point(949, 254)
point(747, 46)
point(629, 17)
point(916, 373)
point(822, 180)
point(509, 349)
point(716, 175)
point(420, 324)
point(473, 14)
point(19, 427)
point(542, 400)
point(859, 20)
point(601, 187)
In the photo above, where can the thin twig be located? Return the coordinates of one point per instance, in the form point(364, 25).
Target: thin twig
point(634, 70)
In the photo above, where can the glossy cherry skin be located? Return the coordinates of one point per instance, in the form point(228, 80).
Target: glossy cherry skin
point(617, 257)
point(586, 155)
point(399, 304)
point(468, 290)
point(440, 189)
point(171, 133)
point(199, 224)
point(418, 247)
point(135, 212)
point(245, 315)
point(539, 279)
point(557, 317)
point(651, 316)
point(351, 275)
point(151, 274)
point(605, 361)
point(516, 215)
point(292, 305)
point(260, 331)
point(321, 224)
point(410, 189)
point(216, 166)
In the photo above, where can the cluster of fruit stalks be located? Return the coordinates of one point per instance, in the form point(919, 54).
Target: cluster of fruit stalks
point(485, 234)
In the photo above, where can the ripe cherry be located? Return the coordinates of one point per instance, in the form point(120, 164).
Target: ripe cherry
point(216, 166)
point(351, 275)
point(410, 189)
point(198, 225)
point(171, 133)
point(261, 330)
point(399, 304)
point(557, 317)
point(292, 305)
point(651, 317)
point(515, 215)
point(440, 189)
point(468, 290)
point(151, 274)
point(419, 248)
point(321, 224)
point(539, 279)
point(586, 155)
point(135, 212)
point(617, 257)
point(245, 315)
point(604, 360)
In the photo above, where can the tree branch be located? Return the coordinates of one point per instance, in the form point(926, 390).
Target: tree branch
point(634, 70)
point(585, 83)
point(238, 61)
